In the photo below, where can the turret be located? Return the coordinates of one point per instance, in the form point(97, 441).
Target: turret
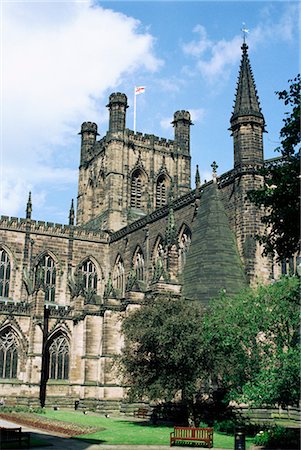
point(117, 106)
point(247, 121)
point(181, 123)
point(88, 133)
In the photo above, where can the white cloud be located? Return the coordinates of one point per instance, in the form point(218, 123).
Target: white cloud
point(165, 123)
point(197, 48)
point(214, 59)
point(59, 60)
point(197, 115)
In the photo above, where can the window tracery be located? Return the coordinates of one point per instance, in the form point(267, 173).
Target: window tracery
point(45, 276)
point(138, 264)
point(161, 191)
point(5, 271)
point(89, 272)
point(8, 355)
point(59, 359)
point(136, 190)
point(184, 244)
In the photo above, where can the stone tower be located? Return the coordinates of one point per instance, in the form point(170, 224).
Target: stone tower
point(247, 126)
point(126, 175)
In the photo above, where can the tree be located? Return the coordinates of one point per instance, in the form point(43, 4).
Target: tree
point(251, 344)
point(162, 349)
point(280, 192)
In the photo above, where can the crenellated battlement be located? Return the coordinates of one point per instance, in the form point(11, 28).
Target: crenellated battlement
point(50, 228)
point(150, 140)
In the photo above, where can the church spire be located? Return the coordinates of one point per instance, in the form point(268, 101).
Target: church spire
point(246, 99)
point(247, 121)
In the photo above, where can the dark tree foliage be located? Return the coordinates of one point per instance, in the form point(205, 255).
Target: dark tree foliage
point(162, 349)
point(280, 195)
point(251, 344)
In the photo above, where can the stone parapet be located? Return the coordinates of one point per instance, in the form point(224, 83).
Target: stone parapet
point(51, 229)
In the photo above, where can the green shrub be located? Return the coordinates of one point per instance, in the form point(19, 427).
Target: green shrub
point(22, 409)
point(277, 436)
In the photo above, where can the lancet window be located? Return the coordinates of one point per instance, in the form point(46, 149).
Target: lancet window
point(8, 355)
point(5, 270)
point(59, 359)
point(46, 277)
point(158, 254)
point(138, 264)
point(184, 244)
point(118, 276)
point(136, 190)
point(161, 191)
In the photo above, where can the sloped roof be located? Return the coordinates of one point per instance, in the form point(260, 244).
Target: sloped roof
point(213, 262)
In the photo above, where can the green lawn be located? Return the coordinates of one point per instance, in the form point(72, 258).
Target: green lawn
point(122, 431)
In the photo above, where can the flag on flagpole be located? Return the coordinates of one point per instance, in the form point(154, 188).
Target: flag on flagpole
point(139, 90)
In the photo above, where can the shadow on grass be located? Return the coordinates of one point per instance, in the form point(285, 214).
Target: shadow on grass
point(91, 441)
point(148, 423)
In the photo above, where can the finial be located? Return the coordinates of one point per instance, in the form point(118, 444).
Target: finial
point(197, 178)
point(214, 168)
point(71, 214)
point(29, 207)
point(245, 31)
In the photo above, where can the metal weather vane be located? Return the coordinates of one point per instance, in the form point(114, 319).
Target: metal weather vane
point(245, 31)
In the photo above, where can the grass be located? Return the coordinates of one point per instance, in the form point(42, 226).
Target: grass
point(130, 432)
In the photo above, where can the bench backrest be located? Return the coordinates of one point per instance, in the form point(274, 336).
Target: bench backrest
point(9, 433)
point(194, 433)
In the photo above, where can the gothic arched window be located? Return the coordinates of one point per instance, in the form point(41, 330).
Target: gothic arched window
point(118, 275)
point(161, 191)
point(158, 252)
point(5, 269)
point(59, 359)
point(136, 190)
point(88, 270)
point(8, 355)
point(46, 277)
point(138, 264)
point(184, 244)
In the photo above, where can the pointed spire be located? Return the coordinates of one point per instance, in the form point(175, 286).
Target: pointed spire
point(71, 214)
point(197, 178)
point(246, 100)
point(29, 207)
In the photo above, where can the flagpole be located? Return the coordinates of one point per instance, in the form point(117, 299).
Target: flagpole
point(134, 109)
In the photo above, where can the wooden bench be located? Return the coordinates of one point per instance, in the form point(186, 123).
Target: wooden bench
point(192, 435)
point(142, 413)
point(9, 436)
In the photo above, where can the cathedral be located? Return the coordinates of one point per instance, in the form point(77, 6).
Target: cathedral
point(138, 231)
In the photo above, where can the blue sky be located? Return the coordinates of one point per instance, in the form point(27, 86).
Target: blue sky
point(61, 60)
